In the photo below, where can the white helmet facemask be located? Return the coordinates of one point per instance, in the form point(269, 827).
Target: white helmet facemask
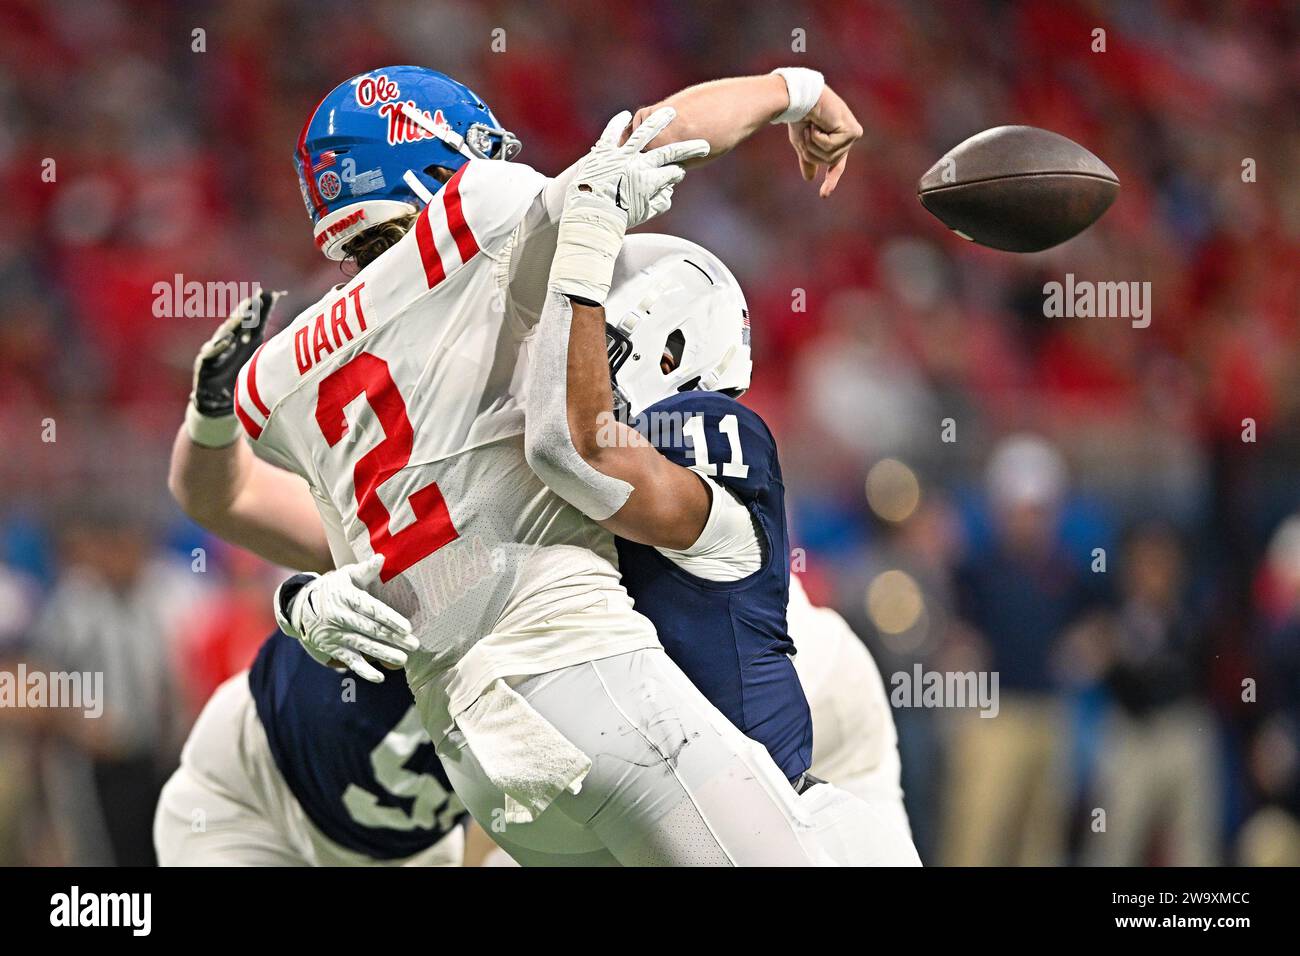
point(673, 298)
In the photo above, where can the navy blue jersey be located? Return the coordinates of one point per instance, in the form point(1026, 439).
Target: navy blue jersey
point(729, 637)
point(353, 753)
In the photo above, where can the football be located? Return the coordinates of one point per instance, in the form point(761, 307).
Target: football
point(1018, 188)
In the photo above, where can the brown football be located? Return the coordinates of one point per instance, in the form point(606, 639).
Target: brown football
point(1018, 188)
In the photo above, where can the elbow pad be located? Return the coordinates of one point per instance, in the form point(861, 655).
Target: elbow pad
point(547, 442)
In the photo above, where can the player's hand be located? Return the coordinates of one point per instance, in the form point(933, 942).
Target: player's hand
point(339, 621)
point(639, 184)
point(823, 138)
point(210, 418)
point(615, 186)
point(653, 175)
point(222, 356)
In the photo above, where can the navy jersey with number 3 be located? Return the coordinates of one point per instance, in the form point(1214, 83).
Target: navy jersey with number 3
point(354, 754)
point(728, 637)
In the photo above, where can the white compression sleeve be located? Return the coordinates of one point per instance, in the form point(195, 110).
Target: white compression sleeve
point(547, 442)
point(729, 547)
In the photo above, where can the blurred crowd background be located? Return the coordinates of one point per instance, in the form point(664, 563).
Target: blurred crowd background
point(954, 460)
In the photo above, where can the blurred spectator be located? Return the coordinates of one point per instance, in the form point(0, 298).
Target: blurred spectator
point(1008, 794)
point(1271, 836)
point(231, 624)
point(1157, 780)
point(18, 595)
point(926, 546)
point(115, 610)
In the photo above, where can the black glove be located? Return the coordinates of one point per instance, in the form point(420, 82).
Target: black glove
point(210, 418)
point(223, 355)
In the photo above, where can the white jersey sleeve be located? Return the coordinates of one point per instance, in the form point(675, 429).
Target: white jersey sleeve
point(853, 726)
point(530, 252)
point(493, 198)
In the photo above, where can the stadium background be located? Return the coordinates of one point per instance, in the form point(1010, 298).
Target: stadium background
point(1120, 690)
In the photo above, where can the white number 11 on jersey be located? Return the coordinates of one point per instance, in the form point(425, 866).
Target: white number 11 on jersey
point(729, 426)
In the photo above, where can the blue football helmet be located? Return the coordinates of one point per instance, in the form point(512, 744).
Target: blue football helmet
point(364, 153)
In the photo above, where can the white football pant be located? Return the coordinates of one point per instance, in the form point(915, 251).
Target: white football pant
point(672, 783)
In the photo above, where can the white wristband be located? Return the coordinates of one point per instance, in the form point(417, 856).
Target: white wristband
point(805, 88)
point(210, 432)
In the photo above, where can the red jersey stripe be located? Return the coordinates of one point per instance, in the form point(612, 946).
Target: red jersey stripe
point(433, 269)
point(460, 231)
point(304, 158)
point(252, 383)
point(254, 430)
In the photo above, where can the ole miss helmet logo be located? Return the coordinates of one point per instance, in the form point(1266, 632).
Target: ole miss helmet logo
point(402, 129)
point(382, 92)
point(372, 90)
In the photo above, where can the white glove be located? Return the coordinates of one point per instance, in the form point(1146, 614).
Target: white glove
point(615, 187)
point(338, 621)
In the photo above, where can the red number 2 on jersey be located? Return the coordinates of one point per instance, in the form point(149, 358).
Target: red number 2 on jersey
point(432, 528)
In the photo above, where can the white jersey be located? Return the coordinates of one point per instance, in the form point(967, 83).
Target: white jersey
point(855, 742)
point(398, 397)
point(853, 726)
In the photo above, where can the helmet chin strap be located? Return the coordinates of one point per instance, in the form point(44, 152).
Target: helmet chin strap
point(622, 407)
point(444, 133)
point(709, 380)
point(417, 187)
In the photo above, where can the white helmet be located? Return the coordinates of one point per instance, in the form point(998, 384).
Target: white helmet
point(670, 297)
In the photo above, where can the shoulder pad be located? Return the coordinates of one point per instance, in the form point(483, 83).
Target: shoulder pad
point(490, 197)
